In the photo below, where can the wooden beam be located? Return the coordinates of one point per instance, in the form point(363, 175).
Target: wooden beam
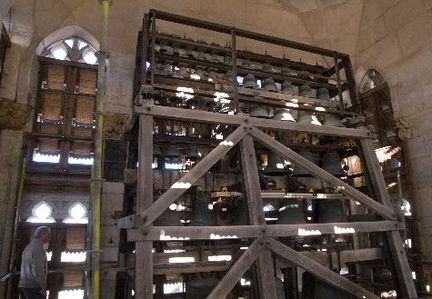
point(143, 256)
point(267, 284)
point(197, 267)
point(184, 233)
point(239, 119)
point(182, 185)
point(396, 245)
point(235, 273)
point(320, 271)
point(321, 174)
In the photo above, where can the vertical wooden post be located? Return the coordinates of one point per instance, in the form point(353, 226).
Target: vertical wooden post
point(234, 69)
point(394, 239)
point(266, 279)
point(144, 198)
point(338, 80)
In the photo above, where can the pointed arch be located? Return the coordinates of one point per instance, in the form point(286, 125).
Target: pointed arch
point(65, 32)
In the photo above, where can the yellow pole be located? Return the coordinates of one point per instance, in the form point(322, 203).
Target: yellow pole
point(97, 174)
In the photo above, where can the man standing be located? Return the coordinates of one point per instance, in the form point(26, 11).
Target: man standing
point(34, 265)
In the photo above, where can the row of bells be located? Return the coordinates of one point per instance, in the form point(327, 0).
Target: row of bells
point(235, 212)
point(313, 288)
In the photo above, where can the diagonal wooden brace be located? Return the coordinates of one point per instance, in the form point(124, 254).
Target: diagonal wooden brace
point(236, 272)
point(321, 174)
point(320, 271)
point(181, 186)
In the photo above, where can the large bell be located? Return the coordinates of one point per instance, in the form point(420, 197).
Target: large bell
point(333, 120)
point(288, 88)
point(259, 111)
point(306, 91)
point(331, 162)
point(168, 218)
point(331, 210)
point(303, 176)
point(307, 118)
point(200, 288)
point(291, 212)
point(157, 151)
point(249, 81)
point(232, 211)
point(323, 94)
point(202, 215)
point(275, 165)
point(172, 152)
point(284, 115)
point(313, 288)
point(269, 85)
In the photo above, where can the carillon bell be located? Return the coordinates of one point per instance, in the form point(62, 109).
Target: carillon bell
point(323, 94)
point(333, 120)
point(172, 152)
point(193, 153)
point(167, 50)
point(249, 81)
point(313, 288)
point(275, 165)
point(259, 111)
point(200, 288)
point(269, 85)
point(307, 118)
point(168, 218)
point(192, 54)
point(291, 212)
point(331, 210)
point(306, 91)
point(284, 115)
point(216, 58)
point(310, 182)
point(202, 215)
point(331, 162)
point(288, 88)
point(157, 151)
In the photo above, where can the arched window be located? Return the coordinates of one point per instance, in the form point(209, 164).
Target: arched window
point(77, 214)
point(41, 213)
point(371, 80)
point(71, 49)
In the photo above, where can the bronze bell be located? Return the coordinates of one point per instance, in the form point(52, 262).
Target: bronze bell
point(200, 288)
point(259, 111)
point(157, 151)
point(269, 85)
point(168, 218)
point(331, 210)
point(306, 91)
point(167, 50)
point(304, 177)
point(202, 215)
point(275, 165)
point(192, 54)
point(331, 162)
point(333, 120)
point(307, 118)
point(284, 115)
point(288, 88)
point(291, 212)
point(323, 94)
point(249, 81)
point(192, 154)
point(313, 288)
point(172, 152)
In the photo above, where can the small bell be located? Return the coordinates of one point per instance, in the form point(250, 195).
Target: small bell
point(288, 88)
point(167, 50)
point(168, 218)
point(308, 155)
point(157, 151)
point(323, 94)
point(306, 91)
point(203, 56)
point(216, 58)
point(249, 81)
point(333, 120)
point(200, 288)
point(259, 111)
point(284, 115)
point(303, 176)
point(307, 118)
point(192, 54)
point(269, 85)
point(193, 153)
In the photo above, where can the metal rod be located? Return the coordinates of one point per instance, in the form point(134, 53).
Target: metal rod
point(338, 80)
point(97, 175)
point(16, 225)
